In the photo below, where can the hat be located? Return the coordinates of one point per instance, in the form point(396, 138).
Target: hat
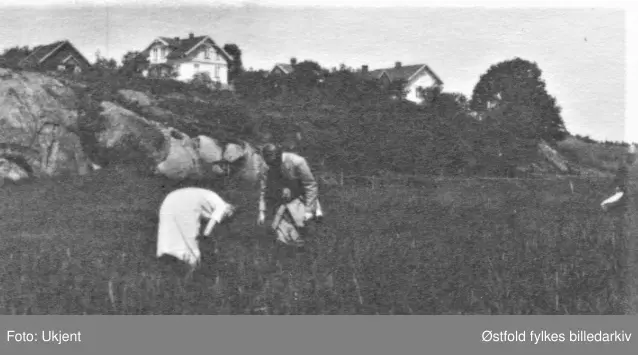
point(270, 148)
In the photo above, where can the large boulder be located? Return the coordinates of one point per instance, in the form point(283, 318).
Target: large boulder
point(245, 160)
point(124, 136)
point(553, 157)
point(211, 154)
point(38, 125)
point(555, 160)
point(182, 161)
point(135, 97)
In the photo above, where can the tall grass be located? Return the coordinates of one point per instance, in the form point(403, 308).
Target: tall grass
point(87, 246)
point(592, 155)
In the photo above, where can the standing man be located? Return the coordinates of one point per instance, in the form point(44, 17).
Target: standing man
point(287, 179)
point(621, 181)
point(180, 221)
point(618, 203)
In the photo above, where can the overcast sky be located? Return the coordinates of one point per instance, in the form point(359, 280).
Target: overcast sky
point(581, 52)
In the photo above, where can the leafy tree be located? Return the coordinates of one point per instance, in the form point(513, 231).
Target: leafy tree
point(203, 80)
point(518, 82)
point(428, 94)
point(11, 56)
point(448, 105)
point(397, 89)
point(254, 85)
point(236, 66)
point(307, 74)
point(24, 50)
point(133, 63)
point(103, 64)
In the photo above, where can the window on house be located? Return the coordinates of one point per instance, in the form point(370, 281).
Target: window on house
point(217, 71)
point(207, 53)
point(218, 57)
point(196, 67)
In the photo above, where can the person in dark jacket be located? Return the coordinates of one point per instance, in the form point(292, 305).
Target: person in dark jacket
point(618, 204)
point(288, 179)
point(618, 201)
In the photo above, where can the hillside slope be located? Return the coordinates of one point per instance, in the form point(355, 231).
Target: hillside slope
point(143, 122)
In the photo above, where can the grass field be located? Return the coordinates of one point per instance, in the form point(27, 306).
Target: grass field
point(592, 155)
point(87, 246)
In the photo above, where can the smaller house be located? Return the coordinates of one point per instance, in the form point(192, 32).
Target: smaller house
point(281, 69)
point(186, 57)
point(60, 55)
point(416, 77)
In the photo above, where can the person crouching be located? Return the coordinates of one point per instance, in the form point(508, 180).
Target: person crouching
point(292, 193)
point(180, 221)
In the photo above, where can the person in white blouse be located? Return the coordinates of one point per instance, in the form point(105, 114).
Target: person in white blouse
point(180, 218)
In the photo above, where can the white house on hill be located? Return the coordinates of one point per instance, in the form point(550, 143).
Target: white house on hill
point(187, 57)
point(417, 76)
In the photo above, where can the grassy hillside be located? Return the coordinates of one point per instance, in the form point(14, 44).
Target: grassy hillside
point(86, 245)
point(592, 155)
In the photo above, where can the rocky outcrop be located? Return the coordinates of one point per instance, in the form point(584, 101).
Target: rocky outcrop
point(126, 136)
point(211, 154)
point(38, 125)
point(245, 160)
point(136, 97)
point(554, 158)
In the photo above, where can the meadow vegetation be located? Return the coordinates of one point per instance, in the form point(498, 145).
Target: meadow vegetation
point(448, 242)
point(86, 246)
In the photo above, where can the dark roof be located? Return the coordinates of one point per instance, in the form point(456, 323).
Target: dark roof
point(289, 68)
point(40, 52)
point(402, 73)
point(180, 46)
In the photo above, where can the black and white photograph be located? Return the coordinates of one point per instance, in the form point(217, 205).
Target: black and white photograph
point(187, 157)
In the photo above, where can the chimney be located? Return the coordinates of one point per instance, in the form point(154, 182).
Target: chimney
point(191, 35)
point(293, 61)
point(364, 69)
point(397, 65)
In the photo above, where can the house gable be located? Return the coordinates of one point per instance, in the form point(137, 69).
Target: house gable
point(282, 69)
point(385, 79)
point(52, 55)
point(277, 71)
point(217, 53)
point(207, 42)
point(408, 73)
point(424, 71)
point(185, 49)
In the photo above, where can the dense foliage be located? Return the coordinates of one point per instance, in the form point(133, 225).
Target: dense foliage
point(352, 123)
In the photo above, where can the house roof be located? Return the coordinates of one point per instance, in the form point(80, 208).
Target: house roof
point(181, 46)
point(286, 68)
point(289, 68)
point(40, 53)
point(405, 72)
